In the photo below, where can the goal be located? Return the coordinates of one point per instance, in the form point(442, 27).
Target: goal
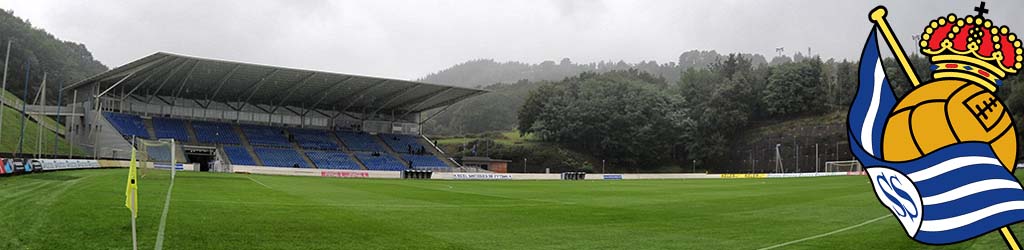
point(162, 153)
point(843, 166)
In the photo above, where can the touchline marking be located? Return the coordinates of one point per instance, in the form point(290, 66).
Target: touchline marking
point(163, 218)
point(258, 182)
point(827, 234)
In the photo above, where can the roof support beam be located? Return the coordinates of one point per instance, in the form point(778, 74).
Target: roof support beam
point(395, 96)
point(130, 92)
point(300, 114)
point(260, 108)
point(220, 84)
point(183, 80)
point(168, 78)
point(145, 71)
point(435, 114)
point(453, 100)
point(416, 103)
point(145, 81)
point(259, 84)
point(111, 86)
point(164, 100)
point(139, 68)
point(237, 109)
point(361, 93)
point(293, 88)
point(329, 90)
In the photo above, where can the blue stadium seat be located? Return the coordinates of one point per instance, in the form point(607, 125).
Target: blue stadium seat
point(170, 128)
point(265, 136)
point(424, 161)
point(238, 155)
point(280, 157)
point(215, 132)
point(380, 162)
point(401, 143)
point(359, 141)
point(314, 139)
point(127, 124)
point(332, 160)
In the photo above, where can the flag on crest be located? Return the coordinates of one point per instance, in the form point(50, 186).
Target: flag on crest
point(953, 194)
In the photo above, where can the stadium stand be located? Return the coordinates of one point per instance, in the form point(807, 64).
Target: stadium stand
point(265, 136)
point(127, 124)
point(360, 141)
point(215, 132)
point(314, 139)
point(402, 143)
point(170, 128)
point(378, 161)
point(424, 161)
point(332, 160)
point(239, 155)
point(279, 157)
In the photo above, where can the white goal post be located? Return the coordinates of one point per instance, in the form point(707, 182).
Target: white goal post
point(843, 166)
point(162, 153)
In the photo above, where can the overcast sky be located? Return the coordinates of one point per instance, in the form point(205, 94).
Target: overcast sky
point(409, 39)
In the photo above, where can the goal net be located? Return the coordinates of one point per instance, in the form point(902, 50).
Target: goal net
point(162, 153)
point(843, 166)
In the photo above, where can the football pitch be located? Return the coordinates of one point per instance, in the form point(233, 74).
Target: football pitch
point(84, 209)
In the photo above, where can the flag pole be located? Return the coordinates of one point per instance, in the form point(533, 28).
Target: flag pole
point(134, 207)
point(3, 86)
point(878, 17)
point(135, 242)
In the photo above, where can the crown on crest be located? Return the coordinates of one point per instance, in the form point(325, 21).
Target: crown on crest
point(972, 48)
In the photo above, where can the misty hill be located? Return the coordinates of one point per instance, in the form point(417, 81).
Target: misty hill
point(511, 82)
point(483, 72)
point(64, 61)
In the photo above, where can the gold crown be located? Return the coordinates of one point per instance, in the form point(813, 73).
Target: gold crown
point(971, 48)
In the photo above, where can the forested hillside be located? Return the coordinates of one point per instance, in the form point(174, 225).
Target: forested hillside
point(726, 115)
point(37, 51)
point(510, 82)
point(63, 61)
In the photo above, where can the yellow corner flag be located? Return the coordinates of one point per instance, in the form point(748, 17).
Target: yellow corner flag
point(131, 198)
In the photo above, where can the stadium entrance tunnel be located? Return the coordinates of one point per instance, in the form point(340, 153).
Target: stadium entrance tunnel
point(202, 156)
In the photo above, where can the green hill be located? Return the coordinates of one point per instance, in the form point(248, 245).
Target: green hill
point(63, 62)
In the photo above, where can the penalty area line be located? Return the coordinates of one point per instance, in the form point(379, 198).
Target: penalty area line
point(827, 234)
point(258, 182)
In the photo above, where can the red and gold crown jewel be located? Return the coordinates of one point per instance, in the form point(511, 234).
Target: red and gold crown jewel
point(972, 48)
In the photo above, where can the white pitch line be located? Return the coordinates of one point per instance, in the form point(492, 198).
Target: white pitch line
point(827, 234)
point(258, 182)
point(163, 218)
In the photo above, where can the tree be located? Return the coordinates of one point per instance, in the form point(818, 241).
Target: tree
point(619, 114)
point(795, 88)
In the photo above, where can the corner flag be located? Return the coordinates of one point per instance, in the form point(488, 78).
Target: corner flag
point(131, 197)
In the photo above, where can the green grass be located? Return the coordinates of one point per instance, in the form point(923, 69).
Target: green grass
point(46, 121)
point(12, 131)
point(84, 210)
point(507, 138)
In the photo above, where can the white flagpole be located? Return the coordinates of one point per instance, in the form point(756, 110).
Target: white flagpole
point(135, 242)
point(39, 132)
point(174, 162)
point(3, 99)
